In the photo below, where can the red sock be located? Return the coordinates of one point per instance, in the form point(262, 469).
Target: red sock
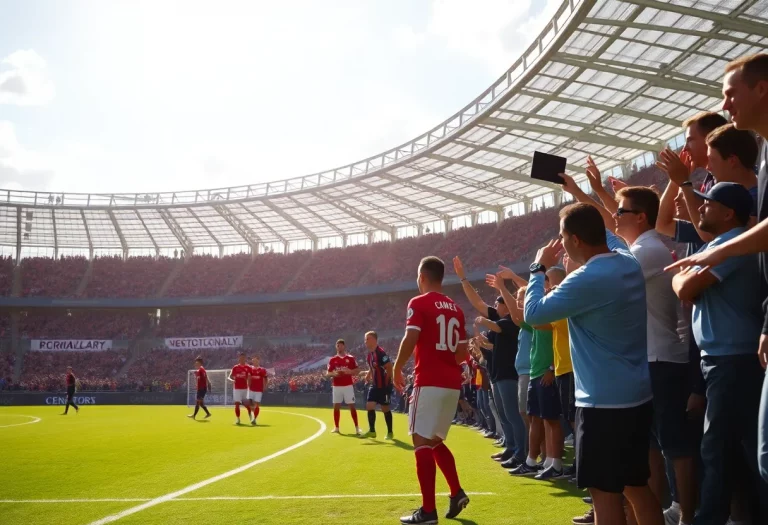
point(354, 415)
point(256, 411)
point(426, 471)
point(336, 417)
point(237, 409)
point(447, 464)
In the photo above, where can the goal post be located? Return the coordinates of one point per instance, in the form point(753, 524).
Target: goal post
point(220, 393)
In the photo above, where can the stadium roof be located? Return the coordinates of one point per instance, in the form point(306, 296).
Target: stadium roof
point(613, 79)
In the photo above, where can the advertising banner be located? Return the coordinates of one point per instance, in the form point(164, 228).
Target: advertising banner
point(183, 343)
point(47, 345)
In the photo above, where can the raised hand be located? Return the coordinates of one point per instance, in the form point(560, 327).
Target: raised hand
point(550, 253)
point(617, 184)
point(593, 174)
point(570, 185)
point(495, 281)
point(458, 267)
point(673, 165)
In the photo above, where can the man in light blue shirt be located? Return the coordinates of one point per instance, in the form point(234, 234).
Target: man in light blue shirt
point(726, 324)
point(605, 304)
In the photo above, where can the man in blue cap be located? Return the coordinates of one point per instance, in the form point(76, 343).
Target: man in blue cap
point(726, 324)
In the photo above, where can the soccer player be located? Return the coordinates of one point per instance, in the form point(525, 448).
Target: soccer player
point(71, 383)
point(341, 368)
point(380, 377)
point(203, 385)
point(435, 335)
point(256, 386)
point(240, 374)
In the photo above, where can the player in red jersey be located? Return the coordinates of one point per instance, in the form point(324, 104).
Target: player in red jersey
point(240, 374)
point(435, 335)
point(342, 368)
point(71, 381)
point(256, 387)
point(203, 386)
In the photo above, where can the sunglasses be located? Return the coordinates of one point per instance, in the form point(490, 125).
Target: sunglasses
point(622, 211)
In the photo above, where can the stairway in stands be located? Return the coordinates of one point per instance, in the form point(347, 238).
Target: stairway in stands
point(171, 277)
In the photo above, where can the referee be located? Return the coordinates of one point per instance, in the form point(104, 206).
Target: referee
point(71, 382)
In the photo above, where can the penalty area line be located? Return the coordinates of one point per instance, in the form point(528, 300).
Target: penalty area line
point(209, 481)
point(239, 498)
point(33, 418)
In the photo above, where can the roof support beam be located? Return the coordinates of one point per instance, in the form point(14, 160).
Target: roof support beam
point(726, 22)
point(119, 232)
point(208, 231)
point(352, 212)
point(310, 235)
point(149, 233)
point(406, 202)
point(177, 231)
point(578, 135)
point(267, 226)
point(306, 208)
point(245, 231)
point(18, 234)
point(709, 35)
point(652, 76)
point(88, 234)
point(400, 217)
point(506, 174)
point(55, 234)
point(601, 107)
point(446, 195)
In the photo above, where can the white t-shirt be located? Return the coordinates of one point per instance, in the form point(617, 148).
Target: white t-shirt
point(665, 310)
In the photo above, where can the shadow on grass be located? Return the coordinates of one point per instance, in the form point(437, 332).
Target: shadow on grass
point(465, 521)
point(395, 442)
point(201, 420)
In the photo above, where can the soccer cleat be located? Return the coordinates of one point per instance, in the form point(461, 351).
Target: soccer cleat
point(390, 436)
point(525, 470)
point(191, 416)
point(359, 431)
point(335, 430)
point(497, 456)
point(370, 434)
point(587, 519)
point(569, 471)
point(548, 473)
point(207, 416)
point(237, 421)
point(253, 422)
point(588, 500)
point(420, 516)
point(456, 504)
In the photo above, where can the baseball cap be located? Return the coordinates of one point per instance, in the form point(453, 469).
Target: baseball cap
point(731, 195)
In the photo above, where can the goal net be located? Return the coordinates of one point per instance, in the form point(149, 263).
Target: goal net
point(220, 393)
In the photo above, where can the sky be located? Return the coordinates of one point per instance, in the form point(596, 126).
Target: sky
point(164, 95)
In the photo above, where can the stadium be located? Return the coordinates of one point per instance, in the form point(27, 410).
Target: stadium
point(128, 289)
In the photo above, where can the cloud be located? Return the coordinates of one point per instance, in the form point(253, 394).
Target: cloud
point(494, 32)
point(24, 79)
point(21, 168)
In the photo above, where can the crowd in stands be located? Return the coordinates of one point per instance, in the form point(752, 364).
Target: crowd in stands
point(82, 324)
point(138, 277)
point(47, 277)
point(7, 360)
point(96, 371)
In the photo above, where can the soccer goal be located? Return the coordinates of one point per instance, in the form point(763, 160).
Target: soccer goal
point(220, 393)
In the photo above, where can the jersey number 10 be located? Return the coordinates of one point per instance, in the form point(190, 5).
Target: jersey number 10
point(449, 336)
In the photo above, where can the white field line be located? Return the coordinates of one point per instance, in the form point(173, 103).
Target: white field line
point(209, 481)
point(237, 498)
point(33, 418)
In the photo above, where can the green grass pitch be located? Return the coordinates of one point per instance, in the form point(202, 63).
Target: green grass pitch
point(109, 459)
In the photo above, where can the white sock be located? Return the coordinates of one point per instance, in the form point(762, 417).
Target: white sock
point(530, 462)
point(557, 464)
point(548, 463)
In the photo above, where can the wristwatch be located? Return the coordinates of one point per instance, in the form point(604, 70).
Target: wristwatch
point(537, 267)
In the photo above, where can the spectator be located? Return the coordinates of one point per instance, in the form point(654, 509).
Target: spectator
point(726, 325)
point(604, 302)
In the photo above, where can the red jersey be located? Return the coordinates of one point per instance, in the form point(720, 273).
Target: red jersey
point(202, 378)
point(338, 362)
point(70, 379)
point(240, 375)
point(257, 379)
point(440, 323)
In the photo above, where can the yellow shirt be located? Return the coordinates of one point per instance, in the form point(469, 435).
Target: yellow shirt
point(562, 344)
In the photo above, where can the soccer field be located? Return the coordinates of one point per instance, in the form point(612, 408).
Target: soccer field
point(152, 465)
